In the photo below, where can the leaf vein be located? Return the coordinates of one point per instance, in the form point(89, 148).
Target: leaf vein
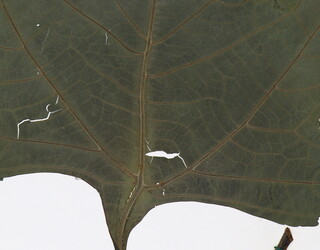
point(219, 52)
point(138, 30)
point(56, 90)
point(102, 27)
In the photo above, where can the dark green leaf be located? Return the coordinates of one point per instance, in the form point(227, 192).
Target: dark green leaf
point(233, 86)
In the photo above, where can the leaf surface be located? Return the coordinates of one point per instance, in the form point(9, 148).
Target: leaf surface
point(229, 90)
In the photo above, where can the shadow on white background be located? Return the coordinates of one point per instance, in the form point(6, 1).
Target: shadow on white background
point(58, 212)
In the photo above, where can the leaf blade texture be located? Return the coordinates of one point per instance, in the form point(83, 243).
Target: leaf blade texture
point(231, 87)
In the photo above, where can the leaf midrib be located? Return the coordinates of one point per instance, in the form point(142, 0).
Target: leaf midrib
point(142, 131)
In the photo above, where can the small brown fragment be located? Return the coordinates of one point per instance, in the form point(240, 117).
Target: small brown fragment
point(285, 241)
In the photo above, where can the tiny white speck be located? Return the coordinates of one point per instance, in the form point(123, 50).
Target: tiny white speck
point(37, 120)
point(38, 24)
point(106, 36)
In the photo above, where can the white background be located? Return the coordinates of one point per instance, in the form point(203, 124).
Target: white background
point(58, 212)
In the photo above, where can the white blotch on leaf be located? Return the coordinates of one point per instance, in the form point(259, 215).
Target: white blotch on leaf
point(163, 154)
point(38, 120)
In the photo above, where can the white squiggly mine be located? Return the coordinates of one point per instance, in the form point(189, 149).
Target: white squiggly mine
point(39, 119)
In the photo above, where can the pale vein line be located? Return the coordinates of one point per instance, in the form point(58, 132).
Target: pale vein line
point(219, 52)
point(306, 119)
point(102, 27)
point(9, 48)
point(114, 105)
point(138, 30)
point(105, 76)
point(308, 56)
point(247, 120)
point(183, 102)
point(307, 141)
point(298, 89)
point(50, 143)
point(55, 167)
point(170, 122)
point(106, 153)
point(5, 149)
point(21, 80)
point(185, 22)
point(234, 203)
point(253, 112)
point(244, 148)
point(244, 178)
point(300, 23)
point(272, 130)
